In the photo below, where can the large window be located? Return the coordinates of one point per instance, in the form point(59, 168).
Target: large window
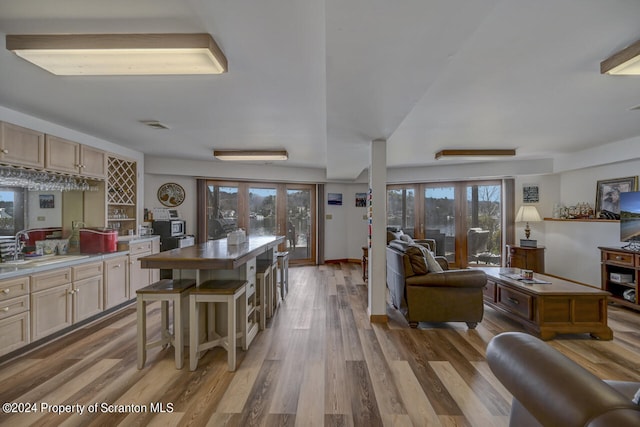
point(464, 218)
point(264, 209)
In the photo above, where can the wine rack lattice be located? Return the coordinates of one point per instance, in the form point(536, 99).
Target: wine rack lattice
point(121, 182)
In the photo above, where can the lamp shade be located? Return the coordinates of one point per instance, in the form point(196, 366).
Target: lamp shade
point(528, 214)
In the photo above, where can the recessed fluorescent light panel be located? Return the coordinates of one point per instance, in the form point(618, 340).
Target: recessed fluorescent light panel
point(626, 62)
point(120, 54)
point(243, 155)
point(474, 154)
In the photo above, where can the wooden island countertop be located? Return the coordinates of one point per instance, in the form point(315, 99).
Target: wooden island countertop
point(212, 255)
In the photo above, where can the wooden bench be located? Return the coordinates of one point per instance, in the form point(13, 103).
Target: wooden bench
point(165, 291)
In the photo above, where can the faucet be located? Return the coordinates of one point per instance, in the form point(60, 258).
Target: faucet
point(19, 243)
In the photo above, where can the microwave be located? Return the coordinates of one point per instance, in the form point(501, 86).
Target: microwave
point(169, 228)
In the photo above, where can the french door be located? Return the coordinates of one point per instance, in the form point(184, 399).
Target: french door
point(265, 209)
point(464, 218)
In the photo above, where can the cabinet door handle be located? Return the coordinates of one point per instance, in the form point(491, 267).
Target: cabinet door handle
point(513, 301)
point(117, 266)
point(5, 151)
point(6, 291)
point(5, 309)
point(618, 257)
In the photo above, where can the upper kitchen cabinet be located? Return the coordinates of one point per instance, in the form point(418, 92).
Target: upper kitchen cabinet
point(73, 158)
point(21, 146)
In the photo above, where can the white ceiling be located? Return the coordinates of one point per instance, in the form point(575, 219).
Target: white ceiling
point(322, 79)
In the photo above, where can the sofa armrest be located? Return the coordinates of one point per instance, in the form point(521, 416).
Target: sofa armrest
point(444, 263)
point(467, 278)
point(551, 387)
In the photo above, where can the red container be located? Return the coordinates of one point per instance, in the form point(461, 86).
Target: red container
point(98, 240)
point(36, 234)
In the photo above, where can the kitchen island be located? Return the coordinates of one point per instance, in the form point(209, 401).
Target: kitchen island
point(216, 260)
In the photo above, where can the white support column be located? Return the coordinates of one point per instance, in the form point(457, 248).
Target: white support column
point(378, 228)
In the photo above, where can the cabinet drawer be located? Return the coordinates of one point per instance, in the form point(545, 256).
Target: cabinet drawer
point(12, 288)
point(84, 271)
point(619, 258)
point(14, 306)
point(139, 248)
point(489, 291)
point(515, 302)
point(14, 333)
point(50, 279)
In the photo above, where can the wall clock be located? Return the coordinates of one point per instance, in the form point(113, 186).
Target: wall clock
point(171, 194)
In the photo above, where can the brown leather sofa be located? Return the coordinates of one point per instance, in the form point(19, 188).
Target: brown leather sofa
point(549, 389)
point(434, 296)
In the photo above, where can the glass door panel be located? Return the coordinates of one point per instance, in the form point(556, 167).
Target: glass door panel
point(262, 212)
point(299, 230)
point(401, 209)
point(440, 219)
point(483, 223)
point(222, 210)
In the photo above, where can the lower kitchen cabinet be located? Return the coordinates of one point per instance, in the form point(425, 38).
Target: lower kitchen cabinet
point(14, 332)
point(140, 277)
point(87, 292)
point(51, 310)
point(14, 314)
point(116, 284)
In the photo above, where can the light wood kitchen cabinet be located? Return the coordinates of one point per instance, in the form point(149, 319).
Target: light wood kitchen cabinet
point(14, 314)
point(138, 277)
point(51, 310)
point(87, 290)
point(51, 302)
point(116, 285)
point(73, 158)
point(21, 146)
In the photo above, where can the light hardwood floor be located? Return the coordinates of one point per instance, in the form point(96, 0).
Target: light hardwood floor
point(320, 362)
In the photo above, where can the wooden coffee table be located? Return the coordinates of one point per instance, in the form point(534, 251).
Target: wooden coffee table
point(559, 307)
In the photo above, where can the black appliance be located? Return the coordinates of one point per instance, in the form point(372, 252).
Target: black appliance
point(172, 234)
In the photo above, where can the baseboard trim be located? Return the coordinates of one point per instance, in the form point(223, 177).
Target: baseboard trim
point(338, 261)
point(378, 318)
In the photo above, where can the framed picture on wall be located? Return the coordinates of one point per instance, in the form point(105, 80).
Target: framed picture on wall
point(335, 199)
point(47, 201)
point(530, 193)
point(608, 192)
point(361, 200)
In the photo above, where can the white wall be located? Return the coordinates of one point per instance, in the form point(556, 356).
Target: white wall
point(38, 217)
point(187, 210)
point(346, 230)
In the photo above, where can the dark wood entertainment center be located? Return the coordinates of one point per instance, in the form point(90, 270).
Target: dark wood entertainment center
point(618, 265)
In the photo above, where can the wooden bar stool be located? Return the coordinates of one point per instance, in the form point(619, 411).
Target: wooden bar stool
point(217, 291)
point(283, 273)
point(165, 291)
point(264, 285)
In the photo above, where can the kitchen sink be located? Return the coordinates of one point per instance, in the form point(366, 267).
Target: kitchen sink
point(41, 261)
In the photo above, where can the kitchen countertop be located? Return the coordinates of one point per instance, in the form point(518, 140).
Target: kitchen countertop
point(214, 254)
point(9, 271)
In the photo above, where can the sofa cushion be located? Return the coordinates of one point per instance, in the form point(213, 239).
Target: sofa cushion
point(417, 256)
point(432, 264)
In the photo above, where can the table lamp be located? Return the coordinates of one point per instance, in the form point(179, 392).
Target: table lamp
point(528, 213)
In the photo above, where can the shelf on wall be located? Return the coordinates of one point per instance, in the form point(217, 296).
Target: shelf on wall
point(582, 220)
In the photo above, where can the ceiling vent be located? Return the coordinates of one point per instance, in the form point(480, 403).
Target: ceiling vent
point(154, 124)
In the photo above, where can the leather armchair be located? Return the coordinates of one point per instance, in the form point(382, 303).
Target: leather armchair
point(549, 389)
point(436, 296)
